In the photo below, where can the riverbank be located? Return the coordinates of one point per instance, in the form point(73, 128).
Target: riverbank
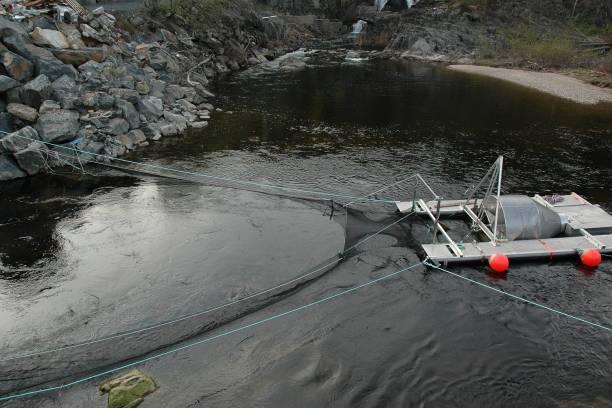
point(551, 83)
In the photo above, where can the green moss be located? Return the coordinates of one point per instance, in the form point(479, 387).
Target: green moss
point(128, 390)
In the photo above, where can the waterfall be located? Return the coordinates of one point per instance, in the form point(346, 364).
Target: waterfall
point(358, 26)
point(380, 4)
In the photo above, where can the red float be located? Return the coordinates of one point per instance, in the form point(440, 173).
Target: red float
point(591, 257)
point(499, 263)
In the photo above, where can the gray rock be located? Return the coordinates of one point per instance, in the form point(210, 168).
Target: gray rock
point(65, 90)
point(421, 47)
point(89, 32)
point(89, 99)
point(36, 91)
point(23, 112)
point(151, 131)
point(19, 140)
point(51, 38)
point(137, 136)
point(173, 92)
point(58, 126)
point(157, 87)
point(117, 126)
point(43, 59)
point(178, 120)
point(73, 35)
point(9, 170)
point(199, 125)
point(142, 87)
point(132, 139)
point(81, 56)
point(169, 129)
point(6, 123)
point(129, 95)
point(7, 83)
point(151, 107)
point(32, 158)
point(186, 105)
point(49, 106)
point(17, 66)
point(193, 96)
point(129, 112)
point(90, 67)
point(105, 101)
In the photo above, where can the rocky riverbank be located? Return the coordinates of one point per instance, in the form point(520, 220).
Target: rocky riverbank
point(99, 87)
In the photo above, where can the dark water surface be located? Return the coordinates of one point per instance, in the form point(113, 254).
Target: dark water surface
point(89, 256)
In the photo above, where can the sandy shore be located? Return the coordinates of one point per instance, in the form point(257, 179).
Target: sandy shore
point(554, 84)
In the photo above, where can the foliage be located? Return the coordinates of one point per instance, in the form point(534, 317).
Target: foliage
point(552, 49)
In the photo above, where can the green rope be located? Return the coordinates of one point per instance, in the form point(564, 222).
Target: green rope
point(206, 339)
point(209, 176)
point(531, 302)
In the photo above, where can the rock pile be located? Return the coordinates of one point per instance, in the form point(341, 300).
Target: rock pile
point(86, 85)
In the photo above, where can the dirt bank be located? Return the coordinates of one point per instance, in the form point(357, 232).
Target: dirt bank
point(554, 84)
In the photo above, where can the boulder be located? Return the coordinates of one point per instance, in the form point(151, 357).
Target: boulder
point(199, 125)
point(89, 32)
point(17, 66)
point(49, 106)
point(117, 126)
point(186, 105)
point(58, 126)
point(157, 87)
point(23, 112)
point(6, 123)
point(129, 112)
point(7, 83)
point(173, 92)
point(151, 131)
point(89, 99)
point(129, 95)
point(31, 159)
point(50, 38)
point(64, 89)
point(142, 87)
point(128, 390)
point(132, 139)
point(43, 59)
point(169, 129)
point(36, 91)
point(178, 120)
point(421, 48)
point(9, 169)
point(73, 36)
point(105, 101)
point(80, 56)
point(151, 107)
point(19, 140)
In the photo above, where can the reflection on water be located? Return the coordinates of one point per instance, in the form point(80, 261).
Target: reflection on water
point(88, 256)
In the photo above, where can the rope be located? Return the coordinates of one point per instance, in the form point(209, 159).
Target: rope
point(209, 176)
point(207, 339)
point(341, 257)
point(531, 302)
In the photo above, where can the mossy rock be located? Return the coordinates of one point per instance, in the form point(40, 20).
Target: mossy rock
point(128, 390)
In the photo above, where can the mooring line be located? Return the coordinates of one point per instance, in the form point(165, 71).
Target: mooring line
point(531, 302)
point(207, 339)
point(210, 176)
point(341, 257)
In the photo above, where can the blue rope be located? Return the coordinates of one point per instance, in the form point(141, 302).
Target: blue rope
point(207, 339)
point(207, 311)
point(226, 179)
point(531, 302)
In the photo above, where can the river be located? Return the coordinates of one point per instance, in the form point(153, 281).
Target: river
point(85, 256)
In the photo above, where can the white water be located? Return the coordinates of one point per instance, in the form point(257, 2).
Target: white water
point(380, 4)
point(358, 26)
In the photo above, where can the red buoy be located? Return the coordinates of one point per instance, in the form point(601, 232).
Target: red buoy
point(591, 257)
point(499, 263)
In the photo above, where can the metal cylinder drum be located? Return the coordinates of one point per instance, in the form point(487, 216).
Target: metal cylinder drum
point(520, 217)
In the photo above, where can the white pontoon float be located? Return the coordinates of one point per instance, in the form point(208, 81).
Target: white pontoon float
point(518, 226)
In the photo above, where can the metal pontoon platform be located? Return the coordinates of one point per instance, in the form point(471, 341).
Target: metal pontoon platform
point(520, 227)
